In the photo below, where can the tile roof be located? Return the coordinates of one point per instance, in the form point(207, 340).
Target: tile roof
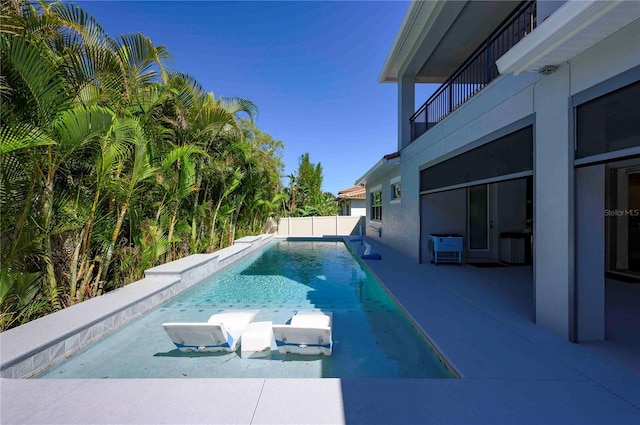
point(353, 192)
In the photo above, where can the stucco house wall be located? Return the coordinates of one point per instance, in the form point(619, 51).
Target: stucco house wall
point(544, 100)
point(390, 229)
point(358, 207)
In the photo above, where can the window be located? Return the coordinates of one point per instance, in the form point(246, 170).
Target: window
point(376, 204)
point(396, 190)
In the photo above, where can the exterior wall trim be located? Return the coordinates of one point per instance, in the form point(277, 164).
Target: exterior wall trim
point(573, 284)
point(607, 157)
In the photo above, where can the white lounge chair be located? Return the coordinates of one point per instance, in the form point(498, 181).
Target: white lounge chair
point(221, 332)
point(309, 333)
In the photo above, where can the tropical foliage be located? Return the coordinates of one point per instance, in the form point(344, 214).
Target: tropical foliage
point(112, 162)
point(304, 194)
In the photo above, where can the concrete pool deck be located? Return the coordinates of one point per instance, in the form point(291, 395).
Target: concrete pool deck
point(514, 372)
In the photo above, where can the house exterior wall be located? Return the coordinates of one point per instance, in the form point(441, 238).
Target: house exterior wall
point(390, 229)
point(569, 279)
point(546, 102)
point(358, 207)
point(352, 207)
point(504, 102)
point(507, 100)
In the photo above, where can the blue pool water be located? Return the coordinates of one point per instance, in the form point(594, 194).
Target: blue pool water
point(372, 337)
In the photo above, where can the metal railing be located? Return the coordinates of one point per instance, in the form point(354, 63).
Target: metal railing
point(476, 72)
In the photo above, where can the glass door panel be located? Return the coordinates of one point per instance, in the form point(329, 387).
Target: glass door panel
point(478, 218)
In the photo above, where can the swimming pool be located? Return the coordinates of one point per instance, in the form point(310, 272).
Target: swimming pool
point(372, 336)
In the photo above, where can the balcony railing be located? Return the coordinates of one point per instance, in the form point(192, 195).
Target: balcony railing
point(476, 72)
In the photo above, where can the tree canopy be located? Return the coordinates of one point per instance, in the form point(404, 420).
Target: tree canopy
point(305, 191)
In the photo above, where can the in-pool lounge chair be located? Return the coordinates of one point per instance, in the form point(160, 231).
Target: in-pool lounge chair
point(220, 333)
point(309, 333)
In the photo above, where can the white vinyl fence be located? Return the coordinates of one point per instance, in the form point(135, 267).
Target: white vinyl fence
point(338, 225)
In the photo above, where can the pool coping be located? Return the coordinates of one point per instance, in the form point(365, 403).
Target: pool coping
point(30, 349)
point(440, 354)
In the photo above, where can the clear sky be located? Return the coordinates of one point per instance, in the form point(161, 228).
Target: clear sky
point(311, 67)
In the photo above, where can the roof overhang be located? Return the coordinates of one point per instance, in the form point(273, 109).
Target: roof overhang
point(436, 37)
point(387, 161)
point(412, 25)
point(573, 28)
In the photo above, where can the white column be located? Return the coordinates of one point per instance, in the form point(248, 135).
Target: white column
point(406, 108)
point(553, 199)
point(590, 252)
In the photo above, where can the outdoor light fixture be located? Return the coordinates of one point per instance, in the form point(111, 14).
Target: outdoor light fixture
point(548, 69)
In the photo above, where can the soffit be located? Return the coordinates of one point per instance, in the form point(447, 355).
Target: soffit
point(436, 37)
point(572, 29)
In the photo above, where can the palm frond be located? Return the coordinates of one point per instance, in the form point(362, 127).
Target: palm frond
point(179, 152)
point(28, 67)
point(139, 56)
point(18, 136)
point(77, 126)
point(80, 21)
point(235, 105)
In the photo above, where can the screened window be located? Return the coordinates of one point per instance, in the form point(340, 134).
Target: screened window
point(396, 190)
point(509, 154)
point(609, 123)
point(376, 205)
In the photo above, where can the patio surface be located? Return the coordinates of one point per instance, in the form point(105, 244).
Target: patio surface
point(514, 372)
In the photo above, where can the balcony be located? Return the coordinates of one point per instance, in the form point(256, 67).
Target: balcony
point(476, 72)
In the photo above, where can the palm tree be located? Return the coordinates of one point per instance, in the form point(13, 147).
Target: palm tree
point(107, 157)
point(209, 125)
point(43, 107)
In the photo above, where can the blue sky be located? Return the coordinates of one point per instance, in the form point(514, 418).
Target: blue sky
point(310, 67)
